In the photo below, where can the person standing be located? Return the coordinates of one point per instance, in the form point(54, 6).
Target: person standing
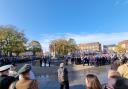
point(5, 80)
point(41, 62)
point(49, 61)
point(12, 71)
point(45, 61)
point(83, 60)
point(66, 61)
point(87, 60)
point(24, 81)
point(63, 77)
point(72, 60)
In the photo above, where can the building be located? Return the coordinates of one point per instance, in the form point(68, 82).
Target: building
point(109, 48)
point(90, 47)
point(124, 44)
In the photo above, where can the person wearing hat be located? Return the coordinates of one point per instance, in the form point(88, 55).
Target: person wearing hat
point(5, 80)
point(12, 71)
point(63, 77)
point(24, 82)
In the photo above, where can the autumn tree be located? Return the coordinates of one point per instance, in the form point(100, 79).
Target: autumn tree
point(62, 46)
point(72, 46)
point(11, 40)
point(35, 46)
point(119, 49)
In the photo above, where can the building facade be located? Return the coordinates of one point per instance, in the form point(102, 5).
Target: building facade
point(124, 44)
point(90, 47)
point(109, 48)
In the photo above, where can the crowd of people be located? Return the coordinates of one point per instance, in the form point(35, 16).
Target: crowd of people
point(44, 61)
point(117, 76)
point(25, 78)
point(4, 60)
point(91, 60)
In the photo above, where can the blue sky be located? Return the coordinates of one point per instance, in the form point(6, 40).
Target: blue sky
point(44, 20)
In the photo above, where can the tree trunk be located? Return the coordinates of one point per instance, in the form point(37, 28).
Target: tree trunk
point(17, 54)
point(10, 54)
point(34, 53)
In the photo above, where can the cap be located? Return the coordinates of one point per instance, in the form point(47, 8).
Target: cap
point(4, 68)
point(61, 64)
point(25, 68)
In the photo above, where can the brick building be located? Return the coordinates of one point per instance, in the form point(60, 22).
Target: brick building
point(90, 47)
point(109, 48)
point(124, 44)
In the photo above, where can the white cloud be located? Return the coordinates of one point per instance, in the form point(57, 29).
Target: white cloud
point(103, 38)
point(120, 2)
point(117, 2)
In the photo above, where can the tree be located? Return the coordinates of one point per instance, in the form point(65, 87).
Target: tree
point(72, 45)
point(11, 40)
point(62, 47)
point(119, 49)
point(59, 47)
point(35, 46)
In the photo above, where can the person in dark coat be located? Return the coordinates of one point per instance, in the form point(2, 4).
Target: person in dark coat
point(72, 60)
point(45, 61)
point(5, 80)
point(41, 60)
point(83, 60)
point(63, 77)
point(49, 61)
point(87, 61)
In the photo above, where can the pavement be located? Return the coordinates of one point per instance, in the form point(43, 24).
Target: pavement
point(47, 76)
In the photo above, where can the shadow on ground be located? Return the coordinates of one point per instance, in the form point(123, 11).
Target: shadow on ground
point(77, 87)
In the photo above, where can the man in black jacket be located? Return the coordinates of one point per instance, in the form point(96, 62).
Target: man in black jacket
point(5, 80)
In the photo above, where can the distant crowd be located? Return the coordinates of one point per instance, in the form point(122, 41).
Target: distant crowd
point(91, 60)
point(4, 60)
